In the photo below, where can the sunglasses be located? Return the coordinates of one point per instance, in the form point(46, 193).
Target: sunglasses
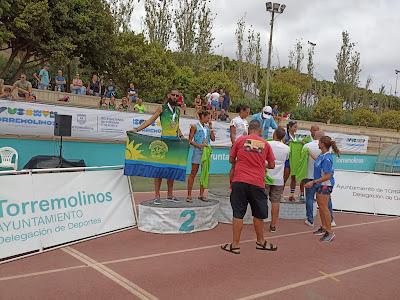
point(175, 95)
point(267, 113)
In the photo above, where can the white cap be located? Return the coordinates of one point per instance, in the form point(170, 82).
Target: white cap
point(267, 112)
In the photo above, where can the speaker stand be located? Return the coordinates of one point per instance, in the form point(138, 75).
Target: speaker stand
point(60, 161)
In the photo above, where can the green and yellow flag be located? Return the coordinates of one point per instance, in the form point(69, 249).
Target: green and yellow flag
point(154, 157)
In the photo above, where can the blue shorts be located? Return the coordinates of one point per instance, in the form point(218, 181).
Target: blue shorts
point(324, 190)
point(196, 157)
point(215, 104)
point(287, 164)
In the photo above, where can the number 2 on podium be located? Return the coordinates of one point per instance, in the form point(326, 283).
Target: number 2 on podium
point(187, 225)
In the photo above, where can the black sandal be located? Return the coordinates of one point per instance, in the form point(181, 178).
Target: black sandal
point(204, 199)
point(266, 246)
point(229, 248)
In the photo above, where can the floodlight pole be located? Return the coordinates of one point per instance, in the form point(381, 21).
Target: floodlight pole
point(397, 76)
point(272, 8)
point(269, 57)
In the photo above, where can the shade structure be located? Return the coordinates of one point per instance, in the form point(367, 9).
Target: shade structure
point(389, 160)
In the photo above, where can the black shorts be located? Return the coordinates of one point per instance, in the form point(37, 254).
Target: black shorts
point(242, 194)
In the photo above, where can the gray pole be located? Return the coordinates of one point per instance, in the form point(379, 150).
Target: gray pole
point(269, 59)
point(395, 89)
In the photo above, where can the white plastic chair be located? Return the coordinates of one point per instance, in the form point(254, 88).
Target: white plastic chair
point(6, 155)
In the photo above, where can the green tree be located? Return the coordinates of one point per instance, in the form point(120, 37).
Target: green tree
point(147, 65)
point(365, 117)
point(390, 119)
point(158, 21)
point(61, 30)
point(329, 109)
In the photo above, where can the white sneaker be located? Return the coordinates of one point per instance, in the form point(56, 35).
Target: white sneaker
point(309, 223)
point(333, 224)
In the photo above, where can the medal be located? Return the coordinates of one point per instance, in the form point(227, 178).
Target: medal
point(172, 124)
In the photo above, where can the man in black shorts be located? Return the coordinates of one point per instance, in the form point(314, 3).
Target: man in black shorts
point(249, 155)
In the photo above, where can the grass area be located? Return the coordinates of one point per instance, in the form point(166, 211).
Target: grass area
point(141, 184)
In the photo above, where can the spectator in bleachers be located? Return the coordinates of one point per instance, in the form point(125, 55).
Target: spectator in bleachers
point(43, 78)
point(60, 82)
point(24, 88)
point(223, 116)
point(139, 107)
point(102, 88)
point(132, 94)
point(227, 101)
point(112, 105)
point(103, 103)
point(198, 104)
point(124, 106)
point(6, 94)
point(77, 86)
point(94, 86)
point(1, 85)
point(110, 89)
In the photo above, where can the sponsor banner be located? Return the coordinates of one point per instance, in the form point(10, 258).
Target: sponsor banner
point(367, 192)
point(147, 156)
point(56, 208)
point(178, 219)
point(345, 142)
point(22, 118)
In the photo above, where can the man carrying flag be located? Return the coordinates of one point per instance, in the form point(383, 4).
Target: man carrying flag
point(169, 114)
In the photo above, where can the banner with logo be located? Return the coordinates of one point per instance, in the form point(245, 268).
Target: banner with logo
point(21, 118)
point(367, 192)
point(147, 156)
point(55, 208)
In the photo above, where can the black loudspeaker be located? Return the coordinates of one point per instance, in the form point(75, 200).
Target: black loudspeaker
point(62, 125)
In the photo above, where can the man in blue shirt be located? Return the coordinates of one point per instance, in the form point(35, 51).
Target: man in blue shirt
point(266, 120)
point(43, 78)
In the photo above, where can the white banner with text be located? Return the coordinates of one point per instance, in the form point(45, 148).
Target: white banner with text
point(22, 118)
point(367, 192)
point(48, 209)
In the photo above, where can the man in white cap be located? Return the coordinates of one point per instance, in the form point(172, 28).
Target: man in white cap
point(266, 120)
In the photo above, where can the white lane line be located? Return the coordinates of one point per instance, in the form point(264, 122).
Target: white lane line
point(329, 276)
point(42, 273)
point(316, 279)
point(117, 278)
point(242, 242)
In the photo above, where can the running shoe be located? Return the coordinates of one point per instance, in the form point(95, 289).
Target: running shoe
point(333, 224)
point(309, 223)
point(173, 199)
point(301, 198)
point(157, 201)
point(320, 231)
point(328, 237)
point(272, 228)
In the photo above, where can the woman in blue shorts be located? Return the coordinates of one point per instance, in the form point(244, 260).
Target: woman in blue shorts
point(199, 137)
point(290, 136)
point(324, 183)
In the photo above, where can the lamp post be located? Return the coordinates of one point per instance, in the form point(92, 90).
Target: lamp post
point(273, 8)
point(397, 76)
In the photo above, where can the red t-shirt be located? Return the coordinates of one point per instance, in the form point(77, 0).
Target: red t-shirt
point(250, 153)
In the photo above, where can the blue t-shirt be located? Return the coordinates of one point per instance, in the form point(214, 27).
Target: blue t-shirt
point(265, 124)
point(324, 165)
point(44, 77)
point(60, 78)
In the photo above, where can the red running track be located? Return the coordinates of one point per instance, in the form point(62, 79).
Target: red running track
point(362, 263)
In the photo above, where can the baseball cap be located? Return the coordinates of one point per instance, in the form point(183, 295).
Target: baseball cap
point(267, 112)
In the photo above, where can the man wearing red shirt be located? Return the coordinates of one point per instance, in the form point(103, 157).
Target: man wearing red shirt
point(249, 154)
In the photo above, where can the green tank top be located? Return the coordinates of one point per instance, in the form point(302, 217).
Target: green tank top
point(169, 121)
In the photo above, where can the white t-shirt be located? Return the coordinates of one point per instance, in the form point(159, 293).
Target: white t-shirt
point(215, 96)
point(281, 153)
point(312, 149)
point(241, 126)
